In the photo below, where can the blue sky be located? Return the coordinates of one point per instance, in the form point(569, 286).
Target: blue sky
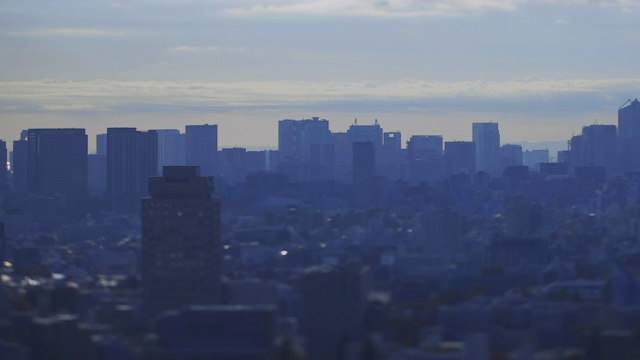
point(542, 69)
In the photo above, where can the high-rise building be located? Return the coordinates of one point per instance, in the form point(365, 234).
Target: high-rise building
point(597, 146)
point(171, 148)
point(334, 299)
point(181, 256)
point(101, 144)
point(364, 173)
point(425, 158)
point(19, 165)
point(629, 119)
point(510, 155)
point(202, 147)
point(486, 136)
point(132, 157)
point(3, 164)
point(459, 157)
point(629, 135)
point(362, 133)
point(306, 149)
point(57, 162)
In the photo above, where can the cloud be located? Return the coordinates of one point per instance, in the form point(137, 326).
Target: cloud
point(68, 32)
point(192, 49)
point(393, 8)
point(185, 95)
point(405, 8)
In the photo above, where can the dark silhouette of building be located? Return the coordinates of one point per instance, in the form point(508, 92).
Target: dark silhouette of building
point(597, 146)
point(3, 161)
point(306, 149)
point(181, 255)
point(202, 147)
point(19, 165)
point(132, 157)
point(486, 136)
point(425, 158)
point(364, 173)
point(171, 148)
point(629, 133)
point(459, 157)
point(57, 162)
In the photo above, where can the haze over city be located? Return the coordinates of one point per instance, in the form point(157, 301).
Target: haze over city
point(542, 69)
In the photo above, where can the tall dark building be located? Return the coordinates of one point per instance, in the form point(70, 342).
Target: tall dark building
point(364, 173)
point(597, 146)
point(629, 135)
point(19, 165)
point(306, 149)
point(181, 257)
point(57, 162)
point(3, 164)
point(132, 157)
point(459, 157)
point(202, 147)
point(486, 136)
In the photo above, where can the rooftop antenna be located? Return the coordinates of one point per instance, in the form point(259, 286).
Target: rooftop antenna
point(355, 122)
point(376, 122)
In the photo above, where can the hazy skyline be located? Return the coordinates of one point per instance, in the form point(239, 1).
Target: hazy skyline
point(542, 69)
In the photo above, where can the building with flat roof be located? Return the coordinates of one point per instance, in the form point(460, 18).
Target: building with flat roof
point(181, 255)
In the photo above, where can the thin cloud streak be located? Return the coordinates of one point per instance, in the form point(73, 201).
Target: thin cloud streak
point(107, 94)
point(68, 32)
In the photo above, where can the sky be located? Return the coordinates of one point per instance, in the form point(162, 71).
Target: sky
point(542, 69)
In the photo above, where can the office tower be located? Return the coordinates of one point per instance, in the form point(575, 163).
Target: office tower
point(181, 257)
point(390, 158)
point(334, 299)
point(510, 155)
point(364, 173)
point(232, 165)
point(533, 158)
point(19, 165)
point(132, 157)
point(101, 144)
point(629, 135)
point(57, 162)
point(3, 164)
point(596, 147)
point(97, 175)
point(601, 146)
point(306, 149)
point(459, 157)
point(425, 158)
point(487, 139)
point(171, 148)
point(362, 133)
point(202, 147)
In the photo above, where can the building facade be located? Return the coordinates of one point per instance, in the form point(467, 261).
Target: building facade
point(181, 255)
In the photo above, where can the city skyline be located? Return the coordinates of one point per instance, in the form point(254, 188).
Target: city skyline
point(542, 69)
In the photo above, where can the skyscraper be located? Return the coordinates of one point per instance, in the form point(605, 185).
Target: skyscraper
point(202, 147)
point(57, 162)
point(425, 158)
point(306, 148)
point(19, 165)
point(629, 135)
point(364, 173)
point(171, 148)
point(3, 164)
point(459, 157)
point(180, 240)
point(596, 146)
point(132, 157)
point(486, 136)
